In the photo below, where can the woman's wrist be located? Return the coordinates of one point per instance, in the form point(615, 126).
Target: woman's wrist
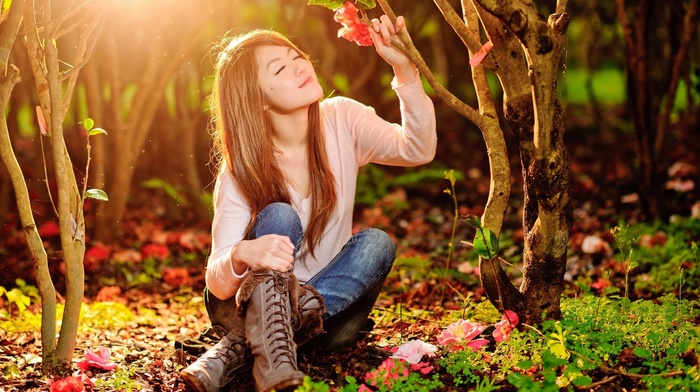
point(237, 265)
point(405, 73)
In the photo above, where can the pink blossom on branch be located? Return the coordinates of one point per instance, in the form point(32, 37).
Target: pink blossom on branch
point(354, 28)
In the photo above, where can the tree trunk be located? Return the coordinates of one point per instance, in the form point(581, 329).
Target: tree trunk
point(548, 214)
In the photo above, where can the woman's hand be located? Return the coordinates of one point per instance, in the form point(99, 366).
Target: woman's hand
point(271, 251)
point(383, 33)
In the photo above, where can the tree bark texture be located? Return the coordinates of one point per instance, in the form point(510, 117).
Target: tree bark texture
point(548, 214)
point(526, 56)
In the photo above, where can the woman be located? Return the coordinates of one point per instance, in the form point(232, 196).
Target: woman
point(284, 264)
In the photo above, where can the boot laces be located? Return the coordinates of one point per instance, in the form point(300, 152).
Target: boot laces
point(278, 311)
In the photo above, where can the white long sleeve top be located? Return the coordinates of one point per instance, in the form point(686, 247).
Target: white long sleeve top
point(355, 136)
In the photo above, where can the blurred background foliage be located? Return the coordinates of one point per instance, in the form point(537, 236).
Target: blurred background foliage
point(147, 84)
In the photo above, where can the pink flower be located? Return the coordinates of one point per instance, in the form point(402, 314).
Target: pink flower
point(354, 29)
point(504, 327)
point(68, 384)
point(477, 344)
point(459, 335)
point(422, 367)
point(155, 251)
point(414, 350)
point(364, 388)
point(99, 360)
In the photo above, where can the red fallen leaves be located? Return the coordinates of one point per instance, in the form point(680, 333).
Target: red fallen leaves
point(109, 294)
point(68, 384)
point(176, 277)
point(354, 29)
point(155, 251)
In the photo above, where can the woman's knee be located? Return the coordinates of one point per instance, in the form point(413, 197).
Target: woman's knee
point(381, 242)
point(278, 218)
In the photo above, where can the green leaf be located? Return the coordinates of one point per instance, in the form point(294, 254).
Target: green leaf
point(552, 360)
point(97, 131)
point(526, 364)
point(330, 4)
point(582, 381)
point(558, 349)
point(486, 243)
point(641, 352)
point(366, 4)
point(473, 220)
point(88, 123)
point(97, 194)
point(518, 379)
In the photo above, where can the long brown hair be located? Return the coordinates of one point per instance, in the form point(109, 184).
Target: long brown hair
point(243, 134)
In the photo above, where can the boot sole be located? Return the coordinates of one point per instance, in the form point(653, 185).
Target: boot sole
point(287, 385)
point(192, 381)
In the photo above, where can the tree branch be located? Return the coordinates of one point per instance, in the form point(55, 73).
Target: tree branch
point(410, 50)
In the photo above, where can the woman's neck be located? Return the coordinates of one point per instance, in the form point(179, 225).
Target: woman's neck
point(290, 130)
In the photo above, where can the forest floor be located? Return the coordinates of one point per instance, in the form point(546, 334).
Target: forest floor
point(159, 302)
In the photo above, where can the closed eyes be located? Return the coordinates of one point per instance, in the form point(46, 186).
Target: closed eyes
point(284, 66)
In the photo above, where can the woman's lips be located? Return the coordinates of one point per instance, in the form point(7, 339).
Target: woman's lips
point(306, 81)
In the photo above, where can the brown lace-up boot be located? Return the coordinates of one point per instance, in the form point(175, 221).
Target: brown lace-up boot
point(268, 302)
point(220, 364)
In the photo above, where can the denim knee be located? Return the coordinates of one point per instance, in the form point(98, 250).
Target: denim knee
point(278, 218)
point(384, 246)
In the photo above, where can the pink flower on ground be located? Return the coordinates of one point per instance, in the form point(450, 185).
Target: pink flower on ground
point(460, 334)
point(99, 360)
point(354, 29)
point(422, 367)
point(414, 350)
point(68, 384)
point(364, 388)
point(504, 327)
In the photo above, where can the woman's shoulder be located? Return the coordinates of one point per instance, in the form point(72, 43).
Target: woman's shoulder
point(338, 101)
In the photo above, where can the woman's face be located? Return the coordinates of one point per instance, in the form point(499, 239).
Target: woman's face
point(287, 79)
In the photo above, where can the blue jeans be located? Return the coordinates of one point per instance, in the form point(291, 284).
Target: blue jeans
point(349, 284)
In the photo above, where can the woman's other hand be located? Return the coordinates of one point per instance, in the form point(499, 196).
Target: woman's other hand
point(384, 33)
point(269, 251)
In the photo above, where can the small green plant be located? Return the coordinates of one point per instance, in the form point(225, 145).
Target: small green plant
point(320, 386)
point(122, 379)
point(625, 242)
point(21, 296)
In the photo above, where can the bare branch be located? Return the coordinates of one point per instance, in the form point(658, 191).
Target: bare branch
point(446, 96)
